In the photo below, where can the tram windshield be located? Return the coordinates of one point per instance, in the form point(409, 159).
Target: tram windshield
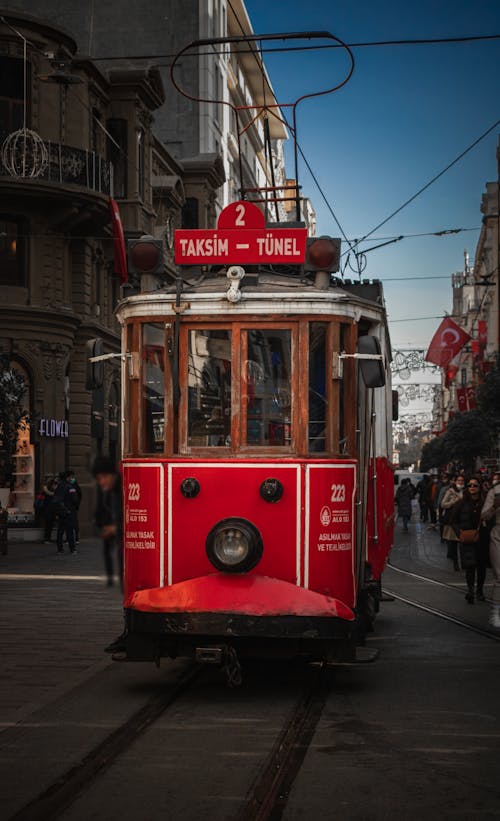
point(209, 388)
point(268, 388)
point(243, 387)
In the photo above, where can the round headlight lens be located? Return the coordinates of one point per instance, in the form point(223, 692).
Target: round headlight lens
point(234, 545)
point(231, 546)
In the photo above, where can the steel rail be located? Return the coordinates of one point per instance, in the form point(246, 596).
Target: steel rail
point(267, 797)
point(65, 790)
point(443, 615)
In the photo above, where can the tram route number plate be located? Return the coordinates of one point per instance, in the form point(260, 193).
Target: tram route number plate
point(241, 237)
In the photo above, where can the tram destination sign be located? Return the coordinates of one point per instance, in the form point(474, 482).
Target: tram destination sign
point(241, 237)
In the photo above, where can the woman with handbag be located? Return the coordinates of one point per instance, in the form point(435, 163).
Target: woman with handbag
point(466, 520)
point(452, 495)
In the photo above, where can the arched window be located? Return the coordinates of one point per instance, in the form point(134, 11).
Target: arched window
point(17, 464)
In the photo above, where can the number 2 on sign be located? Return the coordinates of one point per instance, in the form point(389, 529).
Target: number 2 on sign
point(240, 210)
point(338, 493)
point(134, 492)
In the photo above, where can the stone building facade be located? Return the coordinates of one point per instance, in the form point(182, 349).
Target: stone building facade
point(195, 133)
point(93, 131)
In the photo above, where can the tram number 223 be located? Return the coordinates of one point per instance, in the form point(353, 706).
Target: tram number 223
point(134, 492)
point(338, 493)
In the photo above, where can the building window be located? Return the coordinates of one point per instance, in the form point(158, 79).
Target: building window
point(117, 155)
point(12, 251)
point(11, 95)
point(141, 164)
point(190, 217)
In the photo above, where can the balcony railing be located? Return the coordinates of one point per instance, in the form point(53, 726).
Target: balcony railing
point(75, 166)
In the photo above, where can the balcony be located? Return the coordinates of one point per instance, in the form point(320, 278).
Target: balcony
point(67, 165)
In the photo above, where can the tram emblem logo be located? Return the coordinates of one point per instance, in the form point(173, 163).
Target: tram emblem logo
point(325, 516)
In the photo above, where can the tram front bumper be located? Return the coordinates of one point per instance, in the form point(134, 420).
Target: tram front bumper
point(228, 607)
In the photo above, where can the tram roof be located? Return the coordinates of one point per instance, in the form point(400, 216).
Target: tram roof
point(271, 294)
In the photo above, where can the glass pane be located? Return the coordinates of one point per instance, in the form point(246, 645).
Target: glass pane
point(209, 389)
point(317, 387)
point(268, 374)
point(153, 386)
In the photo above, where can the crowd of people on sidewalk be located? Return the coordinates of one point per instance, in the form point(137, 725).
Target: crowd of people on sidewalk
point(467, 514)
point(58, 503)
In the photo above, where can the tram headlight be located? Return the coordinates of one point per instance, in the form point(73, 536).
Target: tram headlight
point(234, 545)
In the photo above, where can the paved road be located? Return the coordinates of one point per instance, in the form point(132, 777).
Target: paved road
point(414, 735)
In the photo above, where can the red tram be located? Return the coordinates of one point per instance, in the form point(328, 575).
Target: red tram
point(257, 477)
point(257, 433)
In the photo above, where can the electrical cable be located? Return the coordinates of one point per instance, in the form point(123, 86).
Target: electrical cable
point(363, 44)
point(430, 182)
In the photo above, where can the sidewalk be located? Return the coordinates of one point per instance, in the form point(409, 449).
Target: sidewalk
point(56, 616)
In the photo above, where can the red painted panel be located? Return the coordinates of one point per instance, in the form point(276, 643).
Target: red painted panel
point(330, 530)
point(378, 552)
point(248, 594)
point(143, 538)
point(232, 489)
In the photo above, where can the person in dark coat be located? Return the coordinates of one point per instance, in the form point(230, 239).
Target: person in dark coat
point(404, 498)
point(109, 514)
point(466, 515)
point(73, 481)
point(422, 497)
point(66, 506)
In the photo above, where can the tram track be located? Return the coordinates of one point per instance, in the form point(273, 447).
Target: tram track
point(267, 795)
point(442, 614)
point(53, 801)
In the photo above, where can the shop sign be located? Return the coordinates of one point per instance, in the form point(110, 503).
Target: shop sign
point(53, 428)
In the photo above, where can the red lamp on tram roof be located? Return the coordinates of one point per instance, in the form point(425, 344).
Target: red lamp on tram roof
point(145, 255)
point(322, 254)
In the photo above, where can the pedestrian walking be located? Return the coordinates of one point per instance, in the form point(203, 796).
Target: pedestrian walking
point(452, 495)
point(422, 497)
point(444, 485)
point(491, 513)
point(66, 506)
point(109, 514)
point(472, 539)
point(71, 478)
point(432, 493)
point(404, 498)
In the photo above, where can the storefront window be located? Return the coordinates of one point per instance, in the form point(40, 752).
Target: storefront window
point(209, 388)
point(269, 397)
point(153, 386)
point(317, 387)
point(17, 463)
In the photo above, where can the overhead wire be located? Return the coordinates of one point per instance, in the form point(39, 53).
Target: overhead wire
point(431, 181)
point(363, 44)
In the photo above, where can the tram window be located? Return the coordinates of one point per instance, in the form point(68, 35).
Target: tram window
point(209, 389)
point(317, 387)
point(269, 390)
point(343, 444)
point(153, 386)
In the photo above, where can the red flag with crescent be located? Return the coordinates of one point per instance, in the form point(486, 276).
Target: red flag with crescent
point(120, 262)
point(448, 340)
point(462, 399)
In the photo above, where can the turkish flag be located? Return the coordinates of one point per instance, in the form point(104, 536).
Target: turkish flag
point(462, 399)
point(448, 340)
point(471, 398)
point(450, 375)
point(482, 332)
point(120, 262)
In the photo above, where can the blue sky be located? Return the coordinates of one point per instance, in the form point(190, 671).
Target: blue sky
point(406, 112)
